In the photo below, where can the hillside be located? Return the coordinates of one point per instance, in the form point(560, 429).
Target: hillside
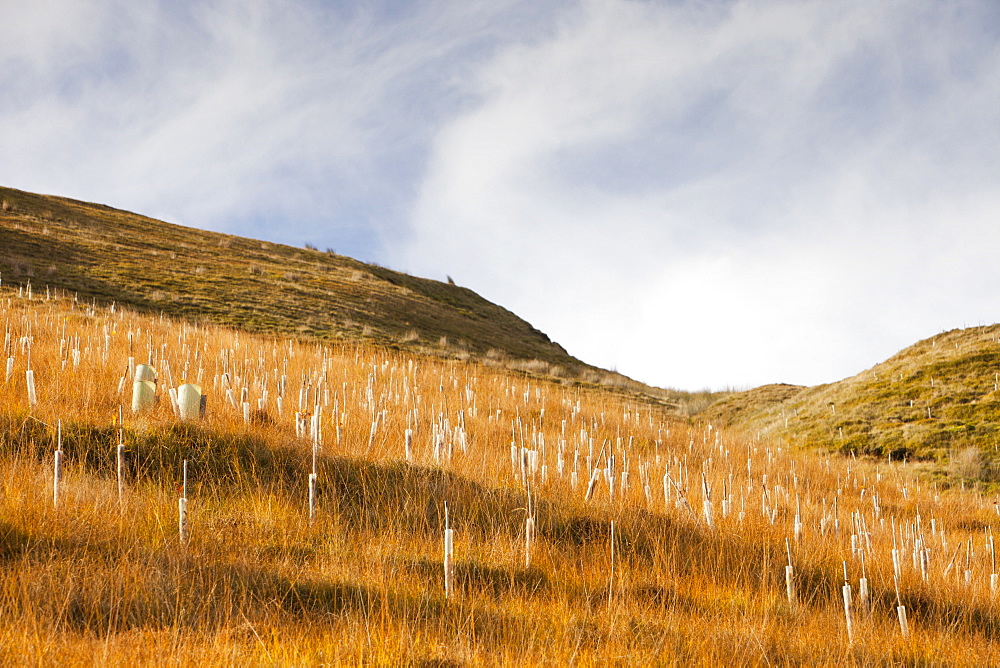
point(935, 401)
point(108, 255)
point(324, 481)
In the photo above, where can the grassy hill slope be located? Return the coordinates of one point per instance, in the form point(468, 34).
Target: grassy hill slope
point(936, 400)
point(107, 255)
point(675, 554)
point(110, 255)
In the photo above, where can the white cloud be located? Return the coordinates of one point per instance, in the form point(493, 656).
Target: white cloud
point(697, 193)
point(727, 195)
point(300, 121)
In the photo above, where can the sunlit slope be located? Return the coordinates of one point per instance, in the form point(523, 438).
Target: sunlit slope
point(934, 400)
point(110, 255)
point(676, 551)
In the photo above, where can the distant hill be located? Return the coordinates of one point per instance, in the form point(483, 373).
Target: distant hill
point(936, 401)
point(109, 255)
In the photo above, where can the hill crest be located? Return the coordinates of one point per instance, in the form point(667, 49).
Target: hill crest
point(105, 254)
point(936, 400)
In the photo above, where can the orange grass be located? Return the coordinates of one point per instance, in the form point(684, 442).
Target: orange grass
point(98, 580)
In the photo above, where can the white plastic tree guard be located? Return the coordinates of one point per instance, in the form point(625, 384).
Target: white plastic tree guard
point(190, 402)
point(144, 388)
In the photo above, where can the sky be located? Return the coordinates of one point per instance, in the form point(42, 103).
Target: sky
point(697, 194)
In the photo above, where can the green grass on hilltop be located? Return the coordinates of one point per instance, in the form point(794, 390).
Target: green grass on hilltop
point(935, 401)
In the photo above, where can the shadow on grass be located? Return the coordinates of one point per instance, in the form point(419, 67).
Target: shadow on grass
point(13, 542)
point(182, 593)
point(473, 577)
point(375, 497)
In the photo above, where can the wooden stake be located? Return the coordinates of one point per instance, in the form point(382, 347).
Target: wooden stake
point(312, 497)
point(789, 576)
point(904, 626)
point(121, 457)
point(611, 579)
point(449, 549)
point(529, 537)
point(863, 588)
point(32, 397)
point(846, 590)
point(993, 564)
point(182, 503)
point(56, 467)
